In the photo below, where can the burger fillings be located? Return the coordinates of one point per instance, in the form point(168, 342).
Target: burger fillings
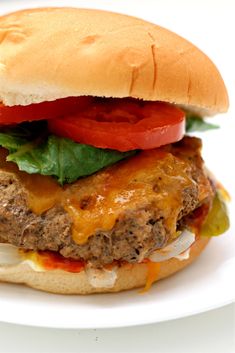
point(97, 179)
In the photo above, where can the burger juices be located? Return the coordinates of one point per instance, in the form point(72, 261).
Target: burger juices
point(101, 190)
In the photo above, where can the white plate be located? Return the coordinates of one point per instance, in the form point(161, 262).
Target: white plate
point(207, 284)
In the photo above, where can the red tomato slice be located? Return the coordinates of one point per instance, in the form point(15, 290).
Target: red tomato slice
point(123, 124)
point(40, 111)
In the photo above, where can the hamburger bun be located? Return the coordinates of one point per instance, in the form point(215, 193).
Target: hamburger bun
point(128, 276)
point(51, 53)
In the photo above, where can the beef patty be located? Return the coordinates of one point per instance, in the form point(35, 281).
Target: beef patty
point(148, 224)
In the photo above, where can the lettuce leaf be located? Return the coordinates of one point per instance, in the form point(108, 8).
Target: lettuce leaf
point(197, 124)
point(34, 151)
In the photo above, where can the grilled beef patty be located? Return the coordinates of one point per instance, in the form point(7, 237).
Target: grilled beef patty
point(138, 231)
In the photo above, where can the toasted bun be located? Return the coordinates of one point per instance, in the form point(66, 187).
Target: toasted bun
point(128, 277)
point(52, 53)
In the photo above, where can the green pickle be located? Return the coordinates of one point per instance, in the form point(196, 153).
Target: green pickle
point(217, 221)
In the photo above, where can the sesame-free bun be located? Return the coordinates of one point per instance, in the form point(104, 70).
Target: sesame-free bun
point(128, 276)
point(51, 53)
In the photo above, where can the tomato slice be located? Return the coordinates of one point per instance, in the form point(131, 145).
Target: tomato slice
point(40, 111)
point(123, 124)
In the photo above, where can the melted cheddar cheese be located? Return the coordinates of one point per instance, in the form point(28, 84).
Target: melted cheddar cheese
point(153, 271)
point(154, 178)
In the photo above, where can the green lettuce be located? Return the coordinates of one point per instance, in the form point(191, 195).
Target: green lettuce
point(197, 124)
point(36, 151)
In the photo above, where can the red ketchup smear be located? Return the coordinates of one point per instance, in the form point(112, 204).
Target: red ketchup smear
point(53, 261)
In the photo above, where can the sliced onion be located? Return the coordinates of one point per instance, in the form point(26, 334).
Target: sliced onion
point(101, 278)
point(184, 255)
point(9, 255)
point(34, 266)
point(177, 247)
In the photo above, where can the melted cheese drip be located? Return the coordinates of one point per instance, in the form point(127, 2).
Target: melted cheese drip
point(152, 178)
point(152, 275)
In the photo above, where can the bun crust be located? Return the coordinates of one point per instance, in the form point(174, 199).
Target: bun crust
point(50, 53)
point(128, 277)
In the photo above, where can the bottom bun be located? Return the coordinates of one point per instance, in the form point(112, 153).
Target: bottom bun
point(128, 276)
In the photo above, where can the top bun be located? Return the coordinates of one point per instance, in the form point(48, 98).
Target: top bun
point(51, 53)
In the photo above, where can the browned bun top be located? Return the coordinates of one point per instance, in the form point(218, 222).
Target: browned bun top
point(52, 53)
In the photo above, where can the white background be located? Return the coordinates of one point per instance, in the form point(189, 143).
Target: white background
point(211, 26)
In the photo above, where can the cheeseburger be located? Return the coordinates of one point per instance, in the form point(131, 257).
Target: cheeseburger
point(102, 189)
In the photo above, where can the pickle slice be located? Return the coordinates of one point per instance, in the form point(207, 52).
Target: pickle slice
point(217, 221)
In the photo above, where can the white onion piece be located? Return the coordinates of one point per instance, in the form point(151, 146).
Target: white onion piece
point(177, 247)
point(184, 256)
point(101, 278)
point(9, 255)
point(34, 266)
